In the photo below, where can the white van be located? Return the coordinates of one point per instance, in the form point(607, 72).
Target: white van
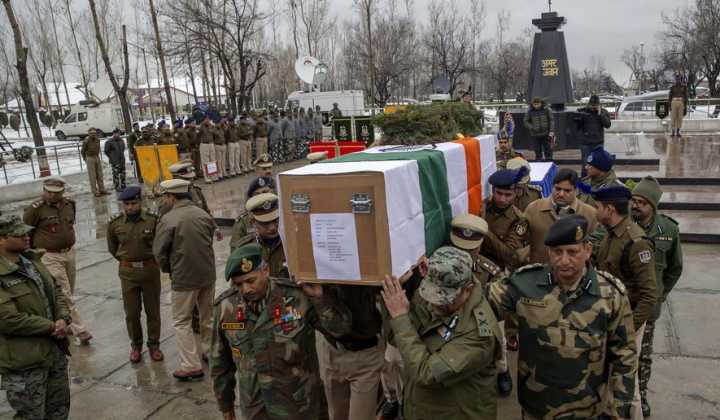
point(350, 102)
point(103, 117)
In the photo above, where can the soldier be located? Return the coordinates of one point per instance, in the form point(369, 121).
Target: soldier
point(335, 112)
point(183, 247)
point(600, 173)
point(130, 237)
point(272, 358)
point(507, 225)
point(233, 148)
point(505, 150)
point(627, 254)
point(576, 331)
point(678, 97)
point(115, 151)
point(182, 140)
point(317, 124)
point(146, 138)
point(447, 337)
point(264, 214)
point(166, 136)
point(33, 320)
point(299, 120)
point(289, 137)
point(194, 141)
point(218, 135)
point(263, 165)
point(663, 230)
point(132, 140)
point(90, 152)
point(525, 192)
point(53, 218)
point(467, 233)
point(244, 133)
point(261, 136)
point(538, 120)
point(207, 150)
point(541, 214)
point(184, 170)
point(243, 224)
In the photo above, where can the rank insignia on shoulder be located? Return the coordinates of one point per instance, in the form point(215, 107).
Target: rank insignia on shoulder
point(232, 326)
point(529, 267)
point(645, 256)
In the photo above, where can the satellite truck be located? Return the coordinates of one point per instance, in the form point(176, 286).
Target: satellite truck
point(312, 72)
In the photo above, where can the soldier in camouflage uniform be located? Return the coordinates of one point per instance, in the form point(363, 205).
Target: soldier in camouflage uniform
point(263, 343)
point(663, 230)
point(505, 151)
point(628, 254)
point(576, 331)
point(600, 173)
point(33, 319)
point(447, 335)
point(525, 193)
point(243, 224)
point(467, 233)
point(507, 225)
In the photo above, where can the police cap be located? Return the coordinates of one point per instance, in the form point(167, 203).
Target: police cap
point(468, 231)
point(131, 192)
point(613, 194)
point(263, 207)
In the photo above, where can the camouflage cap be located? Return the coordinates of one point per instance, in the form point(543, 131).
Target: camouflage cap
point(11, 225)
point(449, 271)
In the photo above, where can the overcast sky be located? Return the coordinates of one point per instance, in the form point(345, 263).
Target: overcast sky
point(594, 27)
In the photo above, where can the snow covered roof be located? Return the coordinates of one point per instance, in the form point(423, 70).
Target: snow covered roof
point(184, 84)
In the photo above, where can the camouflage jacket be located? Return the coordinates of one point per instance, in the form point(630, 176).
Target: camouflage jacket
point(572, 344)
point(269, 355)
point(627, 254)
point(449, 361)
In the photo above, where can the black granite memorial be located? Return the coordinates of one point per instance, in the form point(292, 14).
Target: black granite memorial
point(549, 79)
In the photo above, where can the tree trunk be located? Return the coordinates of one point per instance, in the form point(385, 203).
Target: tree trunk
point(190, 69)
point(158, 44)
point(83, 76)
point(206, 82)
point(60, 61)
point(371, 57)
point(212, 82)
point(21, 54)
point(120, 91)
point(147, 77)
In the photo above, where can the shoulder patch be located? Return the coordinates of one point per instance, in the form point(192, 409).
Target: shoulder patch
point(487, 265)
point(613, 281)
point(530, 267)
point(115, 217)
point(37, 204)
point(152, 213)
point(285, 282)
point(483, 323)
point(521, 227)
point(226, 294)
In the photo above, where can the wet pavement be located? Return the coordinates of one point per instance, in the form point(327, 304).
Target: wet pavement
point(106, 386)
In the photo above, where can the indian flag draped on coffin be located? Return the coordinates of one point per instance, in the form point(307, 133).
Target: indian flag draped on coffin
point(358, 217)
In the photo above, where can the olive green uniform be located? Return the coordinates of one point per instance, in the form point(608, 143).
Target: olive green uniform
point(90, 152)
point(183, 142)
point(130, 242)
point(33, 364)
point(166, 137)
point(240, 231)
point(449, 362)
point(267, 349)
point(526, 194)
point(572, 343)
point(507, 233)
point(664, 232)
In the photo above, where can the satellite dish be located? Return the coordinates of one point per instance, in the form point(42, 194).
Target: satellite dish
point(305, 68)
point(441, 84)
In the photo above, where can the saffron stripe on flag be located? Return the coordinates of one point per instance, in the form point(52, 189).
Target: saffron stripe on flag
point(474, 174)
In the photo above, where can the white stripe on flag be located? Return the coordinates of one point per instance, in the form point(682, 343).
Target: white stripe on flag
point(456, 168)
point(487, 157)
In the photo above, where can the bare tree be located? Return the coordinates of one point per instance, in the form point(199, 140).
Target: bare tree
point(81, 65)
point(366, 12)
point(634, 59)
point(314, 16)
point(59, 53)
point(21, 55)
point(706, 18)
point(120, 90)
point(681, 49)
point(449, 41)
point(158, 46)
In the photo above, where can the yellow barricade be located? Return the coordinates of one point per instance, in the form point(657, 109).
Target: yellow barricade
point(154, 162)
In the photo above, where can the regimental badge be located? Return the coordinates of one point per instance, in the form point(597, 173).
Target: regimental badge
point(520, 229)
point(267, 205)
point(645, 256)
point(246, 265)
point(467, 233)
point(261, 182)
point(589, 158)
point(578, 233)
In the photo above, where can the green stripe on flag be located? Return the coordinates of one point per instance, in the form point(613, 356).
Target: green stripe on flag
point(433, 187)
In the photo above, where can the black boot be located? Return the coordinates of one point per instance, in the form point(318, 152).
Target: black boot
point(645, 407)
point(390, 410)
point(504, 382)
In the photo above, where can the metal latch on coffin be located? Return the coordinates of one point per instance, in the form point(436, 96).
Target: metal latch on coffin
point(361, 203)
point(300, 203)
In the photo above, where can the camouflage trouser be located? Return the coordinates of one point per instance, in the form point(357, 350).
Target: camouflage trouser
point(118, 174)
point(276, 152)
point(289, 150)
point(42, 393)
point(645, 365)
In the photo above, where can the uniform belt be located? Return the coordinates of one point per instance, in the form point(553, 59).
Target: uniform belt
point(679, 98)
point(138, 264)
point(58, 251)
point(357, 345)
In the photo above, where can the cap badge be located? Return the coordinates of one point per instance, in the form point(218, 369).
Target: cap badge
point(267, 205)
point(467, 233)
point(261, 182)
point(246, 265)
point(578, 233)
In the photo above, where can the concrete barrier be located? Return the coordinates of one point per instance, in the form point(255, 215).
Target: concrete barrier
point(662, 126)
